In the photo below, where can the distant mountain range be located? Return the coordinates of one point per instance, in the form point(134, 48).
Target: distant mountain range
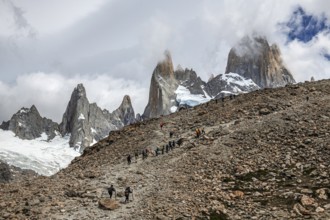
point(252, 64)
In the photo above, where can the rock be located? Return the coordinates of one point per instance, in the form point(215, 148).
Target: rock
point(321, 194)
point(108, 204)
point(307, 201)
point(264, 111)
point(319, 209)
point(238, 194)
point(327, 206)
point(300, 210)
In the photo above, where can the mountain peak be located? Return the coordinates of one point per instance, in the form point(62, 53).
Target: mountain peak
point(165, 67)
point(255, 59)
point(126, 100)
point(80, 90)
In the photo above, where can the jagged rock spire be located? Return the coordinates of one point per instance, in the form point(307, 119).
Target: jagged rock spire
point(255, 59)
point(88, 123)
point(162, 87)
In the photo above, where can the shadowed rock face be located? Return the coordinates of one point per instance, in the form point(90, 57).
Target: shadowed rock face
point(190, 80)
point(87, 122)
point(162, 89)
point(5, 174)
point(28, 124)
point(254, 58)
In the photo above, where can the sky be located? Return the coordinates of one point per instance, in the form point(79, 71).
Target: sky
point(112, 46)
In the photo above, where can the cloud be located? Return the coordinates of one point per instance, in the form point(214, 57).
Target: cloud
point(122, 41)
point(51, 93)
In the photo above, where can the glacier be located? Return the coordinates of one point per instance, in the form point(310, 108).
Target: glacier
point(184, 97)
point(44, 157)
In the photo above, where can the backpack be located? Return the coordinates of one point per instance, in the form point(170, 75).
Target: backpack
point(127, 191)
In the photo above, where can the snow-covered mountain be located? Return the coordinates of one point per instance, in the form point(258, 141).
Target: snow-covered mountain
point(30, 141)
point(252, 64)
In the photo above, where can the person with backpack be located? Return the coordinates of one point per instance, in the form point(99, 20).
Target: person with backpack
point(127, 192)
point(129, 159)
point(111, 189)
point(136, 156)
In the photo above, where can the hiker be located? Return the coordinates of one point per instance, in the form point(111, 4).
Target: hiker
point(203, 132)
point(157, 151)
point(180, 141)
point(171, 134)
point(163, 149)
point(167, 148)
point(111, 189)
point(307, 98)
point(198, 132)
point(161, 125)
point(169, 145)
point(173, 144)
point(129, 159)
point(136, 156)
point(127, 192)
point(144, 154)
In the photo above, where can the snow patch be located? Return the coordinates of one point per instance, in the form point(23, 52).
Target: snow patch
point(81, 117)
point(93, 130)
point(24, 111)
point(234, 78)
point(46, 158)
point(184, 97)
point(173, 109)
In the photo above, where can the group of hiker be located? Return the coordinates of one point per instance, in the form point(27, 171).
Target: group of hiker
point(148, 151)
point(127, 192)
point(156, 152)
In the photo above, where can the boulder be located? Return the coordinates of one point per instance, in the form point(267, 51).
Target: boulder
point(108, 204)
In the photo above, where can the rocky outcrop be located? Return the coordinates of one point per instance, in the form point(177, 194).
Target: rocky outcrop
point(226, 84)
point(10, 173)
point(162, 89)
point(125, 112)
point(28, 124)
point(190, 80)
point(255, 59)
point(5, 174)
point(88, 123)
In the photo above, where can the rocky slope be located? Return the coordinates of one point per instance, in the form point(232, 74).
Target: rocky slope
point(88, 123)
point(255, 59)
point(28, 124)
point(264, 155)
